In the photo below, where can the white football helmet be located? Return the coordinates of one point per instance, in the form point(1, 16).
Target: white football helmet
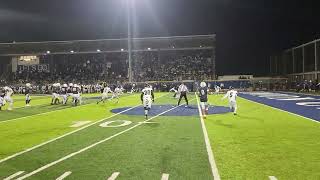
point(203, 84)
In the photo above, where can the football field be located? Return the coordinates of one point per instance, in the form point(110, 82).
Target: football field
point(115, 141)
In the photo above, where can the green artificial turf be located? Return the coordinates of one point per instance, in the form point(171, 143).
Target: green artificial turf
point(261, 141)
point(257, 143)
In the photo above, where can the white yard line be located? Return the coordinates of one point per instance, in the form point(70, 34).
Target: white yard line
point(64, 175)
point(72, 132)
point(13, 175)
point(272, 178)
point(90, 146)
point(114, 176)
point(212, 162)
point(282, 110)
point(165, 176)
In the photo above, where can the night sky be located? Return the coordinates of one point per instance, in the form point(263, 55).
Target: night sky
point(248, 32)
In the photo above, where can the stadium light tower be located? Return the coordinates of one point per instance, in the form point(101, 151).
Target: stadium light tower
point(129, 7)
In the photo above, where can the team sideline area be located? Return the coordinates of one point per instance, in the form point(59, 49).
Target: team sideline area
point(114, 141)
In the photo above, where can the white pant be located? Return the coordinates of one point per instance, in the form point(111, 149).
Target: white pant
point(147, 102)
point(64, 98)
point(55, 95)
point(233, 105)
point(28, 97)
point(204, 105)
point(76, 97)
point(104, 96)
point(8, 99)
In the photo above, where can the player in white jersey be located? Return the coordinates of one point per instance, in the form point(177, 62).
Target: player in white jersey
point(7, 97)
point(105, 96)
point(173, 89)
point(232, 96)
point(55, 93)
point(116, 94)
point(217, 89)
point(147, 97)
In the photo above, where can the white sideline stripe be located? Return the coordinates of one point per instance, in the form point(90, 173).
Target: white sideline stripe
point(52, 140)
point(80, 123)
point(165, 176)
point(114, 176)
point(89, 147)
point(13, 175)
point(282, 110)
point(212, 162)
point(272, 178)
point(64, 175)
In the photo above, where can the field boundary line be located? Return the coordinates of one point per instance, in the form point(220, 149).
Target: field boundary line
point(67, 134)
point(92, 145)
point(282, 110)
point(212, 161)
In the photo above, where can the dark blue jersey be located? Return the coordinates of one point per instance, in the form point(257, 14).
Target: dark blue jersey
point(203, 94)
point(25, 90)
point(64, 90)
point(2, 93)
point(75, 90)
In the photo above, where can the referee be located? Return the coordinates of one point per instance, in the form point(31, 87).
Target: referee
point(183, 93)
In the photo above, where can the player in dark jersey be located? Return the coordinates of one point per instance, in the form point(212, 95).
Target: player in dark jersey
point(2, 94)
point(27, 90)
point(64, 93)
point(147, 97)
point(203, 95)
point(76, 94)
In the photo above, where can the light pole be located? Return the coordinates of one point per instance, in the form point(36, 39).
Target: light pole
point(129, 5)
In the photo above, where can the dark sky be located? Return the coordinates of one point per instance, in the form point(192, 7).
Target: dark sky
point(248, 31)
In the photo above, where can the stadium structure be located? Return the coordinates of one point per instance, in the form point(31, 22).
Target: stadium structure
point(298, 63)
point(149, 59)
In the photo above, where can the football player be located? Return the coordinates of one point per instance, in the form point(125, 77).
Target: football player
point(2, 94)
point(116, 94)
point(55, 93)
point(232, 96)
point(27, 90)
point(173, 89)
point(7, 97)
point(64, 93)
point(105, 92)
point(183, 93)
point(76, 95)
point(203, 94)
point(147, 97)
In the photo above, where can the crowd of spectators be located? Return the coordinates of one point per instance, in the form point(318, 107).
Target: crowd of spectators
point(149, 65)
point(174, 65)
